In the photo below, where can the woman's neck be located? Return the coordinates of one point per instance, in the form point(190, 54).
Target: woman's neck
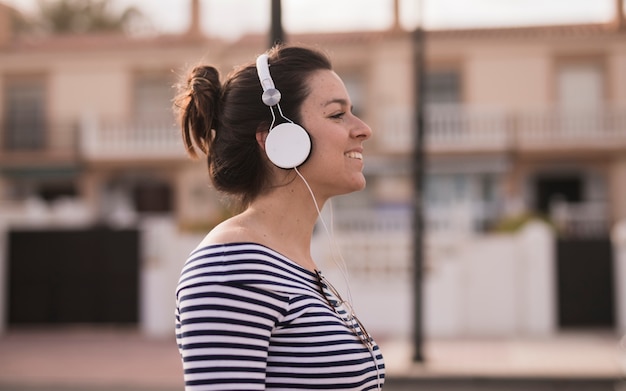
point(284, 219)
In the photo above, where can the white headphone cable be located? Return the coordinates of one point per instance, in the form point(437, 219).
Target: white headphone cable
point(342, 265)
point(335, 251)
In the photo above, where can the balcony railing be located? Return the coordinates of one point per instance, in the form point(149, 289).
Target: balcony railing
point(467, 129)
point(449, 129)
point(92, 140)
point(137, 140)
point(603, 128)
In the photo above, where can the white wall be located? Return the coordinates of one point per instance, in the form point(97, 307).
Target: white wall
point(497, 285)
point(164, 251)
point(619, 248)
point(489, 285)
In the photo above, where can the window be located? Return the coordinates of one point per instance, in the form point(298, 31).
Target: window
point(48, 189)
point(471, 197)
point(24, 114)
point(580, 86)
point(354, 86)
point(580, 95)
point(446, 189)
point(137, 191)
point(442, 87)
point(153, 98)
point(152, 197)
point(53, 191)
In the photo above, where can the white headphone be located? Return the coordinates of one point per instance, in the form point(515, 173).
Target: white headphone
point(287, 145)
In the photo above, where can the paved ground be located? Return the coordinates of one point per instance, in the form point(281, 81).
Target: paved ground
point(116, 359)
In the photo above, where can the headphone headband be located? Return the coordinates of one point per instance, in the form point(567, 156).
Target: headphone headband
point(263, 70)
point(271, 96)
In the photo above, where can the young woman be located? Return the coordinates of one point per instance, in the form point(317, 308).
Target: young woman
point(253, 310)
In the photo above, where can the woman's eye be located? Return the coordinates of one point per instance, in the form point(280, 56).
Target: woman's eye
point(338, 115)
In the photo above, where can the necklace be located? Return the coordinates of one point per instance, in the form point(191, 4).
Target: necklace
point(345, 311)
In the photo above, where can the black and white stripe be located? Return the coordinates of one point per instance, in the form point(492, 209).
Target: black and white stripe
point(247, 318)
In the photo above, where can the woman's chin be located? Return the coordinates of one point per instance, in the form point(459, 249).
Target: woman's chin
point(357, 185)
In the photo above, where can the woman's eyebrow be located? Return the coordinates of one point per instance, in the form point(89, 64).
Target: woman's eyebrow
point(341, 101)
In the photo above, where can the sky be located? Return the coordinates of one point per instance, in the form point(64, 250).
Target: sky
point(231, 18)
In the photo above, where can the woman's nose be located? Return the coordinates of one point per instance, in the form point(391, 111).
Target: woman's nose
point(361, 129)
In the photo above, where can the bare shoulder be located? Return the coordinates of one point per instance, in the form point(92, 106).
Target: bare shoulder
point(229, 231)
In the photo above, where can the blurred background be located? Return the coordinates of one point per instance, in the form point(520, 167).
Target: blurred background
point(488, 250)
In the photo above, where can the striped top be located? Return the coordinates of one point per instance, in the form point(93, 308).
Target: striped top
point(248, 318)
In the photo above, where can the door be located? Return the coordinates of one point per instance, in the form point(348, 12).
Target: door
point(73, 276)
point(567, 187)
point(585, 283)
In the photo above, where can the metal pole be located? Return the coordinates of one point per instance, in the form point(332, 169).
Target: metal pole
point(418, 180)
point(276, 30)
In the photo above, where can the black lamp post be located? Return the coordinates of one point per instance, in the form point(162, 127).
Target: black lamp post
point(417, 43)
point(276, 29)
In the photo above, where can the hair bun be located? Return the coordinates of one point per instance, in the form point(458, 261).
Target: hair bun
point(197, 102)
point(204, 85)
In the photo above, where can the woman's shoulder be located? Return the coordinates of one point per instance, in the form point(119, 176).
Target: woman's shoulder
point(232, 230)
point(240, 256)
point(244, 263)
point(227, 254)
point(228, 250)
point(232, 239)
point(234, 252)
point(228, 239)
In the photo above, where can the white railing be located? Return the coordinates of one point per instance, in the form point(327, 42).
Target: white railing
point(604, 128)
point(449, 128)
point(134, 140)
point(374, 242)
point(463, 128)
point(580, 219)
point(466, 128)
point(381, 240)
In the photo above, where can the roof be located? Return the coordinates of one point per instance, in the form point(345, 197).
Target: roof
point(546, 31)
point(102, 41)
point(97, 42)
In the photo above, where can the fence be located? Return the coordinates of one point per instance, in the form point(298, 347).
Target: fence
point(474, 285)
point(128, 139)
point(462, 128)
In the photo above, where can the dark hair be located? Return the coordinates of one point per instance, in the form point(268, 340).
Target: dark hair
point(221, 121)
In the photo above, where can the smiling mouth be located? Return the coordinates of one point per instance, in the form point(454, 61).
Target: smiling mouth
point(354, 155)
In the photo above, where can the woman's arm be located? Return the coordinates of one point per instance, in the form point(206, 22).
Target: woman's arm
point(223, 333)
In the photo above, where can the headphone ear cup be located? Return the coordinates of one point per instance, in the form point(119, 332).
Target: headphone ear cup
point(288, 145)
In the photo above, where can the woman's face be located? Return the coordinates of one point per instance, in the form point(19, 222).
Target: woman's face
point(336, 163)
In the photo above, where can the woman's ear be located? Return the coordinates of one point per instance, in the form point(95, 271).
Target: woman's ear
point(260, 138)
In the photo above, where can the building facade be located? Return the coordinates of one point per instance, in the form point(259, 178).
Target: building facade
point(519, 121)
